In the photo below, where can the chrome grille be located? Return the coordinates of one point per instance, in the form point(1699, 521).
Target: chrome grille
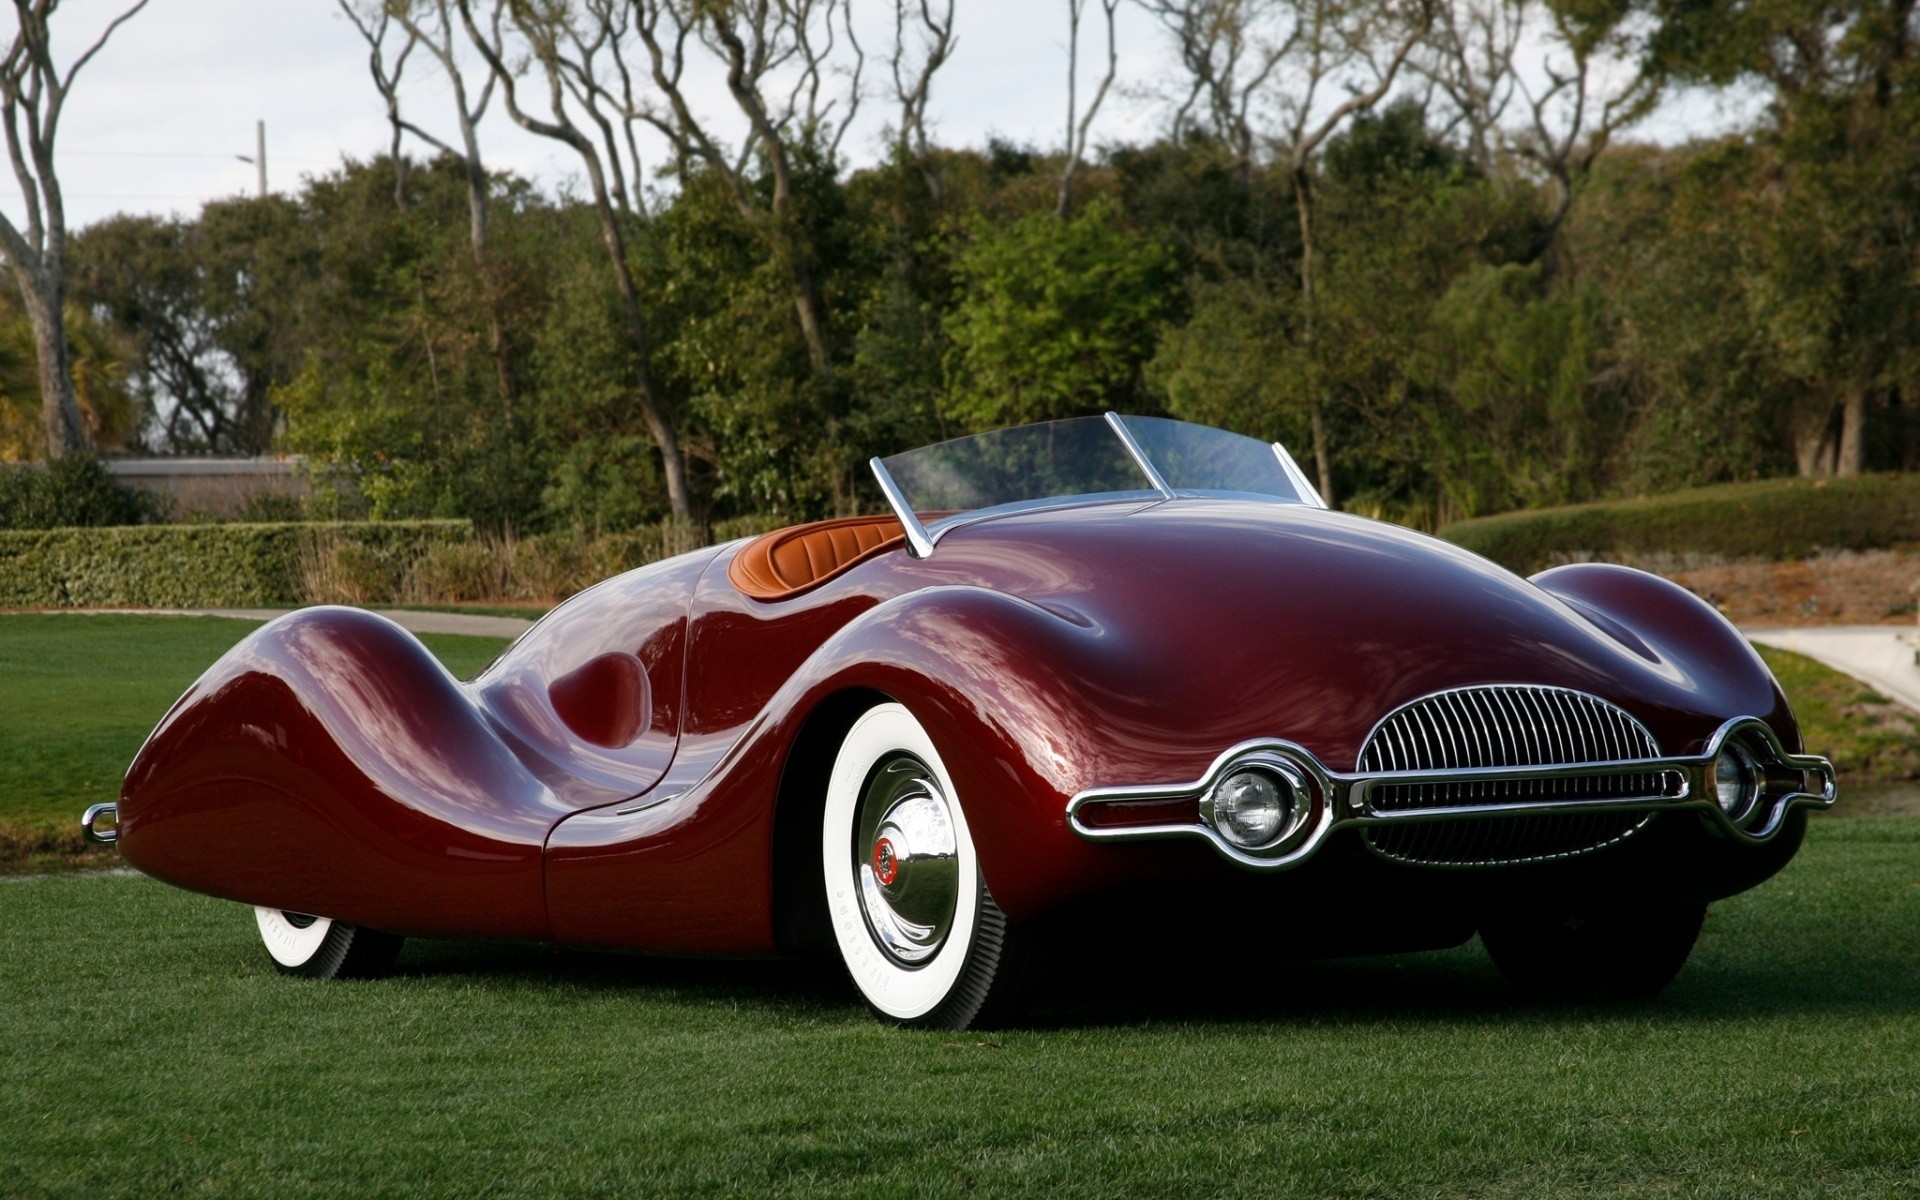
point(1508, 726)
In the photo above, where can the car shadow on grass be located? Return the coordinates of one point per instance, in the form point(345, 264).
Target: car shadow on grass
point(1452, 987)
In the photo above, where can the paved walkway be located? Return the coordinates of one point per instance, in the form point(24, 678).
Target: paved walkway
point(1879, 655)
point(419, 622)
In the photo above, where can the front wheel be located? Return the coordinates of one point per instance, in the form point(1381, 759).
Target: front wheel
point(322, 948)
point(918, 931)
point(1625, 954)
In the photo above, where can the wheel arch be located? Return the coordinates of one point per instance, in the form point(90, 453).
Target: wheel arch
point(800, 921)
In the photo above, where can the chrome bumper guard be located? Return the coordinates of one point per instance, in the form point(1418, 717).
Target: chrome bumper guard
point(1340, 799)
point(90, 824)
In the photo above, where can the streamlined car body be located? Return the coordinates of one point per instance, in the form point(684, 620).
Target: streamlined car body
point(1099, 673)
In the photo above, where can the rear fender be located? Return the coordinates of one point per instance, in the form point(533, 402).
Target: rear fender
point(329, 764)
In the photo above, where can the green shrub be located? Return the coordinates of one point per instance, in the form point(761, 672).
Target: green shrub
point(71, 491)
point(214, 566)
point(1772, 519)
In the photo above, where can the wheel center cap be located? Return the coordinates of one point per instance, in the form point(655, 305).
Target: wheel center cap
point(886, 863)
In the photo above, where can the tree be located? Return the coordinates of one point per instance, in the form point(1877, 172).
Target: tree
point(1230, 50)
point(912, 75)
point(33, 95)
point(1838, 189)
point(1338, 45)
point(1056, 319)
point(430, 23)
point(779, 61)
point(1080, 125)
point(545, 32)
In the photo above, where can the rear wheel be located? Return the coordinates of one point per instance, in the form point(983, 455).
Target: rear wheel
point(322, 948)
point(1626, 954)
point(915, 925)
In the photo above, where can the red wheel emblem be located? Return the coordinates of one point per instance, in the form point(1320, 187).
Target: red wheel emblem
point(886, 865)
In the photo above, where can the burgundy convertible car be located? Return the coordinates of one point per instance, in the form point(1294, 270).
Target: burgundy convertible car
point(1099, 674)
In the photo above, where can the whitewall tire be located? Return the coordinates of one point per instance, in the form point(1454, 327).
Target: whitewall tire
point(920, 936)
point(322, 948)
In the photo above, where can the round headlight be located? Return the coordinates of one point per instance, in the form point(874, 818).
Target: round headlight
point(1252, 808)
point(1736, 781)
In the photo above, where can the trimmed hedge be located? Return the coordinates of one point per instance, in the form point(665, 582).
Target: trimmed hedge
point(203, 566)
point(1771, 519)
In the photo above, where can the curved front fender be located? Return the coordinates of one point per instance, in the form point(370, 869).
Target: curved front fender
point(1664, 623)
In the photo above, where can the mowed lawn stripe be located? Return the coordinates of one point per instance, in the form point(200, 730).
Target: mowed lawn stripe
point(151, 1049)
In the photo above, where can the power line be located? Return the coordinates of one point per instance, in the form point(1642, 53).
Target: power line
point(174, 154)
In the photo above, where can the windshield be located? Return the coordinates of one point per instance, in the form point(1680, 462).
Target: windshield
point(1082, 458)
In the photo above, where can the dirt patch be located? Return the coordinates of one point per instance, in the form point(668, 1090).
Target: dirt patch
point(1867, 587)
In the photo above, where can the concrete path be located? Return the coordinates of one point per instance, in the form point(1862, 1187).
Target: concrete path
point(473, 624)
point(1881, 656)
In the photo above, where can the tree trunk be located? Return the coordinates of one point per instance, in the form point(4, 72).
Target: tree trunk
point(812, 313)
point(1316, 404)
point(1815, 441)
point(60, 408)
point(672, 464)
point(1851, 454)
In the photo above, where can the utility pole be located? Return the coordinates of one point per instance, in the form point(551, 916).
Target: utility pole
point(259, 159)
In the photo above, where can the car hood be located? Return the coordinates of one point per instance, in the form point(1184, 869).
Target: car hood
point(1201, 623)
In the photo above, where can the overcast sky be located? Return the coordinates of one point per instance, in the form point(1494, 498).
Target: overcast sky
point(156, 121)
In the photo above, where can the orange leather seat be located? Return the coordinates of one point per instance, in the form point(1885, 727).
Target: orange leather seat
point(787, 562)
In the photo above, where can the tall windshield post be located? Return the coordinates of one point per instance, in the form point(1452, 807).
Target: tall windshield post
point(918, 543)
point(1140, 456)
point(1301, 483)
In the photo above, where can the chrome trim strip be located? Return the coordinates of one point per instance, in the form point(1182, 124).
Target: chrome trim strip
point(1315, 828)
point(1696, 794)
point(1139, 455)
point(89, 824)
point(918, 543)
point(1307, 491)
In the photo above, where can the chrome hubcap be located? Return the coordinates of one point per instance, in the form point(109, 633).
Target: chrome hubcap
point(906, 859)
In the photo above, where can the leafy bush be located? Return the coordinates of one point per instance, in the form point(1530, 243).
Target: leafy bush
point(71, 491)
point(344, 562)
point(196, 566)
point(1772, 519)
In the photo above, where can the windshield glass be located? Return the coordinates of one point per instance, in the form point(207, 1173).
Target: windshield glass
point(1110, 457)
point(1194, 458)
point(1082, 456)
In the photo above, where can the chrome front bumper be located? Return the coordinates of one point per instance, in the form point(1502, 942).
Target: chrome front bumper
point(1347, 799)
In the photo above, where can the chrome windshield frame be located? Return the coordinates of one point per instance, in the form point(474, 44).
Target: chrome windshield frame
point(1139, 456)
point(1309, 495)
point(919, 541)
point(922, 538)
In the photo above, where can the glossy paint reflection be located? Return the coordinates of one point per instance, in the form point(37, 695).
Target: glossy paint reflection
point(1048, 652)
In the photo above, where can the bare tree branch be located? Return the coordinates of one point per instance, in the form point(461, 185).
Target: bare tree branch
point(1078, 130)
point(913, 63)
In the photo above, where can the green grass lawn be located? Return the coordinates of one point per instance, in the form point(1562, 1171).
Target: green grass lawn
point(81, 693)
point(150, 1049)
point(147, 1047)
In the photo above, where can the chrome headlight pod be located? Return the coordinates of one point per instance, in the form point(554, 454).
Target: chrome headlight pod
point(1260, 803)
point(1737, 782)
point(1753, 781)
